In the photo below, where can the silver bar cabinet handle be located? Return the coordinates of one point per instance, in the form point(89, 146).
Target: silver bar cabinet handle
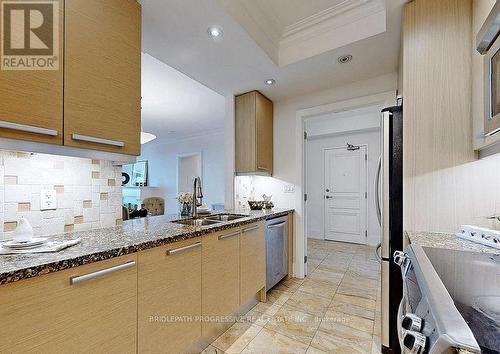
point(277, 225)
point(232, 234)
point(83, 278)
point(262, 168)
point(93, 139)
point(251, 228)
point(181, 249)
point(27, 128)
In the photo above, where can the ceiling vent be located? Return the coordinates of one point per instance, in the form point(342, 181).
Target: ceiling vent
point(343, 59)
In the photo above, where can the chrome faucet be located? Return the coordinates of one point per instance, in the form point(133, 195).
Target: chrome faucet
point(197, 194)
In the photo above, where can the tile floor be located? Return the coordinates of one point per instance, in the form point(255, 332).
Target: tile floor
point(336, 309)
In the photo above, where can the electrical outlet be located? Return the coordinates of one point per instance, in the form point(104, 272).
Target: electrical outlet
point(289, 188)
point(48, 199)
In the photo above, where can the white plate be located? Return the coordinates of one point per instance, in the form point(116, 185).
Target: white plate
point(35, 241)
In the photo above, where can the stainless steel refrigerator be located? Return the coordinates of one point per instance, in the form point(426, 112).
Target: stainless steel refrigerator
point(389, 194)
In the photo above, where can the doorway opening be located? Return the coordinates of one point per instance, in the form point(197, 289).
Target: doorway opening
point(188, 168)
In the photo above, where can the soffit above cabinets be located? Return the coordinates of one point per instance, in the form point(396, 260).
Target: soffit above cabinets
point(293, 30)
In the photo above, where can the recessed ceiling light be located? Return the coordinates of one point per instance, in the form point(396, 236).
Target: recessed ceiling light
point(215, 32)
point(344, 58)
point(270, 82)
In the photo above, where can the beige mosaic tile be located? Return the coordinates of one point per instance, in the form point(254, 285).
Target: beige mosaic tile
point(9, 226)
point(23, 207)
point(69, 228)
point(95, 174)
point(360, 323)
point(87, 204)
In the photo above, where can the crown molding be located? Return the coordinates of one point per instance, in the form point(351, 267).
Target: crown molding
point(321, 16)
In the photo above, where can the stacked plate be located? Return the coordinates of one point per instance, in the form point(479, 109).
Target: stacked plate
point(17, 245)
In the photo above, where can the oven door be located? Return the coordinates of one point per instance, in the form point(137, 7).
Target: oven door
point(492, 89)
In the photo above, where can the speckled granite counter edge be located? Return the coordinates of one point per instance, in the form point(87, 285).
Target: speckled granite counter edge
point(51, 267)
point(447, 241)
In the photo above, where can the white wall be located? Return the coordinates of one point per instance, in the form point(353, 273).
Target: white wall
point(285, 143)
point(162, 164)
point(314, 180)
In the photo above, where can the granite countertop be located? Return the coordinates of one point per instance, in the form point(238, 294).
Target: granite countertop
point(447, 241)
point(133, 236)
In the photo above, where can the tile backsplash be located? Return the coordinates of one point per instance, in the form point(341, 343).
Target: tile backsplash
point(88, 193)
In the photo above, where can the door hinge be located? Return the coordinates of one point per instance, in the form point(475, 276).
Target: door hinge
point(305, 259)
point(366, 195)
point(305, 135)
point(305, 197)
point(366, 157)
point(366, 233)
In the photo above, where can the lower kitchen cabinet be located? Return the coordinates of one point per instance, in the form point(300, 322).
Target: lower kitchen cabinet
point(79, 310)
point(220, 281)
point(252, 261)
point(169, 300)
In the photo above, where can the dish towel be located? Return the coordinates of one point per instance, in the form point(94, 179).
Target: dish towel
point(47, 247)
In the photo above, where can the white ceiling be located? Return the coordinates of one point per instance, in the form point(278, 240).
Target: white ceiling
point(175, 106)
point(175, 31)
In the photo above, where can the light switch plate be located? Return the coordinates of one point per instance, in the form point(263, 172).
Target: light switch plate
point(48, 199)
point(289, 188)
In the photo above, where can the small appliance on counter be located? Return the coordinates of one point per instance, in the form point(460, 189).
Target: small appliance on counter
point(451, 301)
point(266, 203)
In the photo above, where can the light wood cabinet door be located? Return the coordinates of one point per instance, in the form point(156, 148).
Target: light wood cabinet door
point(245, 130)
point(253, 133)
point(48, 314)
point(33, 100)
point(252, 261)
point(220, 281)
point(169, 307)
point(264, 135)
point(102, 80)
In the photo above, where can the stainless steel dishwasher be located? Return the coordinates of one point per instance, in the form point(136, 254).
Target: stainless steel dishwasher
point(276, 250)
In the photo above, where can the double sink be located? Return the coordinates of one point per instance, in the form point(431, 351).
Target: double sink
point(209, 220)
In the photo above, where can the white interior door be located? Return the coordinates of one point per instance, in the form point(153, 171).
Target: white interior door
point(345, 195)
point(189, 167)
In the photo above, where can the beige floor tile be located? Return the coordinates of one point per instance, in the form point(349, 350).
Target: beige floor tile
point(267, 308)
point(333, 344)
point(352, 309)
point(289, 285)
point(233, 334)
point(359, 291)
point(355, 300)
point(271, 342)
point(278, 297)
point(312, 350)
point(212, 350)
point(356, 322)
point(327, 276)
point(241, 342)
point(318, 288)
point(310, 303)
point(258, 318)
point(295, 324)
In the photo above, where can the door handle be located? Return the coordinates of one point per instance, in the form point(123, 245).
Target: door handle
point(328, 197)
point(93, 139)
point(377, 191)
point(86, 277)
point(27, 128)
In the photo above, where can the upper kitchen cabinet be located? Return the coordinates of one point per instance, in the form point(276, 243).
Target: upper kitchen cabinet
point(102, 77)
point(31, 105)
point(254, 133)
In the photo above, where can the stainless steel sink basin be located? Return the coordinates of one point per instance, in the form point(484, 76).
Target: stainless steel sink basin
point(224, 217)
point(196, 222)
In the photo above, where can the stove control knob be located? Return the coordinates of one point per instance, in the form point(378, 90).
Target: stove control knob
point(400, 258)
point(412, 322)
point(414, 342)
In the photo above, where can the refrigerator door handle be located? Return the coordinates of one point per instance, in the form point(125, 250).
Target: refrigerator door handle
point(384, 177)
point(377, 191)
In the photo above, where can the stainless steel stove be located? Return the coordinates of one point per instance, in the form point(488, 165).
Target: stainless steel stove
point(451, 301)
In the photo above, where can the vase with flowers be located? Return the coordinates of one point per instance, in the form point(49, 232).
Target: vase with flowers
point(185, 201)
